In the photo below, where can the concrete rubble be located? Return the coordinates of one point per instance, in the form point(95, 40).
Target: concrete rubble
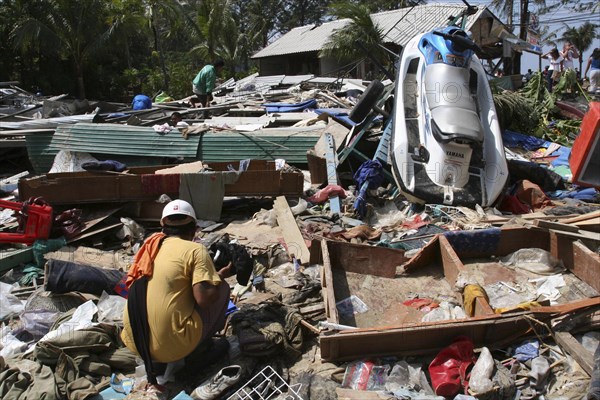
point(373, 296)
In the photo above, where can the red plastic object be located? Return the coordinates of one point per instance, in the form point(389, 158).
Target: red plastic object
point(36, 221)
point(449, 369)
point(585, 153)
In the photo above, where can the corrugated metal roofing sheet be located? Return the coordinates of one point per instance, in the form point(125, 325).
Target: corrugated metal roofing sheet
point(406, 23)
point(399, 26)
point(40, 156)
point(302, 39)
point(134, 142)
point(123, 139)
point(290, 144)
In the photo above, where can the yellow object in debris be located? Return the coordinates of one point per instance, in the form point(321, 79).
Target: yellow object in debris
point(526, 306)
point(162, 97)
point(470, 294)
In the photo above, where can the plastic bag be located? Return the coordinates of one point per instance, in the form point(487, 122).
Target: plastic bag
point(538, 261)
point(448, 370)
point(110, 308)
point(481, 373)
point(38, 322)
point(357, 375)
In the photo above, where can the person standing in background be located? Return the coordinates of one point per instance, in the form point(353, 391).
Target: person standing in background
point(569, 53)
point(594, 63)
point(556, 67)
point(204, 82)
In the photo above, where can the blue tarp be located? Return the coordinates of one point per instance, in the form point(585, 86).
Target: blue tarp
point(339, 113)
point(141, 102)
point(516, 139)
point(290, 107)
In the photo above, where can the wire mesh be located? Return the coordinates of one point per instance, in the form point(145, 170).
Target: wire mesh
point(267, 385)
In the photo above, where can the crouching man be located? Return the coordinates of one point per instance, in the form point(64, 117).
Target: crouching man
point(177, 300)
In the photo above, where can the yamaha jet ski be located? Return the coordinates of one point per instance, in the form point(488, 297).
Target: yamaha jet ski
point(446, 141)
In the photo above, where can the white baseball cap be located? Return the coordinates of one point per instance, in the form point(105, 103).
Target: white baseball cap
point(177, 207)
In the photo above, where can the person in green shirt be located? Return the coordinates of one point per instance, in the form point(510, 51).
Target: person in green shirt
point(204, 83)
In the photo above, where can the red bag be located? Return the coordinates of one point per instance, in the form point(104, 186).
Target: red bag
point(449, 369)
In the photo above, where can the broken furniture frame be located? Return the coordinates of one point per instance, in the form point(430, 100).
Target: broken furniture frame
point(260, 179)
point(485, 328)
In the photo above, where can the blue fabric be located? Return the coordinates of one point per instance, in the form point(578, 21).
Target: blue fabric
point(368, 176)
point(106, 165)
point(290, 107)
point(516, 139)
point(141, 102)
point(183, 396)
point(578, 193)
point(231, 308)
point(563, 154)
point(477, 241)
point(527, 350)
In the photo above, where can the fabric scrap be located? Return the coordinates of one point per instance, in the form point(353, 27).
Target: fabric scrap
point(479, 241)
point(205, 192)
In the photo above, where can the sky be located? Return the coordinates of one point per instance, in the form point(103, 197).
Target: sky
point(556, 21)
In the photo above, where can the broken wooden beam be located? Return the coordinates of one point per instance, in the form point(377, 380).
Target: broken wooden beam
point(569, 344)
point(291, 233)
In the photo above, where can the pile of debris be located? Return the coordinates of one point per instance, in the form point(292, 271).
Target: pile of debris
point(355, 291)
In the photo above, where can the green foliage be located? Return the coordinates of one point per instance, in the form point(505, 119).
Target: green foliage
point(582, 37)
point(517, 112)
point(533, 109)
point(342, 45)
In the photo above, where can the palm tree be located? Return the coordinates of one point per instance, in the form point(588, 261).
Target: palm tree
point(72, 29)
point(581, 37)
point(160, 16)
point(217, 31)
point(342, 44)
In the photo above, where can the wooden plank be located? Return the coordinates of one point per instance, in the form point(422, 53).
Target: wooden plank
point(291, 234)
point(328, 291)
point(586, 265)
point(569, 344)
point(365, 259)
point(556, 226)
point(420, 339)
point(583, 217)
point(592, 225)
point(10, 259)
point(450, 261)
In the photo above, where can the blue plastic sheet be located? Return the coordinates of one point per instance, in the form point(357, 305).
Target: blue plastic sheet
point(141, 102)
point(290, 107)
point(516, 139)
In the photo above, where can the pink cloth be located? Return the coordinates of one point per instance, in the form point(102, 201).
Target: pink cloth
point(327, 192)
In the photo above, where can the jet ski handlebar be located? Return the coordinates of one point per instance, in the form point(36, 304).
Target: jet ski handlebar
point(460, 42)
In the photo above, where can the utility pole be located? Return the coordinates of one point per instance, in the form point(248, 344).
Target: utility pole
point(522, 35)
point(507, 53)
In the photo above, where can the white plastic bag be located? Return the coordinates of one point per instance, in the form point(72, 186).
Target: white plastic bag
point(110, 308)
point(481, 373)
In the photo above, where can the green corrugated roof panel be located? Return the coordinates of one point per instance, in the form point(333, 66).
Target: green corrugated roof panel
point(143, 143)
point(123, 140)
point(40, 155)
point(290, 144)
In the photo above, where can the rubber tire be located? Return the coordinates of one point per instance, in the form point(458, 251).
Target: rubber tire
point(366, 101)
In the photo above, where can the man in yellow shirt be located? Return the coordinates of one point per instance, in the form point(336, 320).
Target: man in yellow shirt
point(186, 298)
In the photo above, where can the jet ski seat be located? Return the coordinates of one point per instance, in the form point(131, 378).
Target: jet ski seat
point(453, 108)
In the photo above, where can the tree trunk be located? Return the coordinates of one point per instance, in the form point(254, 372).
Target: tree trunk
point(160, 54)
point(80, 84)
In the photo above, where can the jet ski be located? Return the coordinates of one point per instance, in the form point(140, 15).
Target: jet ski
point(446, 141)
